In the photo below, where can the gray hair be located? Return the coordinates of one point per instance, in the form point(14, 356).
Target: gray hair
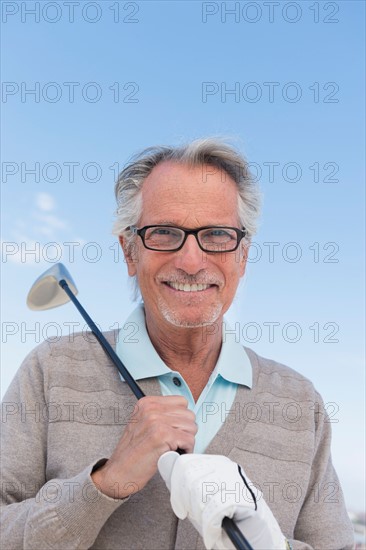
point(208, 151)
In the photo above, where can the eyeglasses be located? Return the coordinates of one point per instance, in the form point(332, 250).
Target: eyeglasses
point(167, 238)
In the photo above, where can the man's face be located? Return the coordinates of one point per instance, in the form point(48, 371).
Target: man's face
point(190, 197)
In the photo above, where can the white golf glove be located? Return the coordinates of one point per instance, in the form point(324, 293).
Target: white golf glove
point(206, 488)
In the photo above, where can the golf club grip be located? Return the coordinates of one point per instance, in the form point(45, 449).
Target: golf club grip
point(230, 527)
point(137, 391)
point(235, 535)
point(232, 531)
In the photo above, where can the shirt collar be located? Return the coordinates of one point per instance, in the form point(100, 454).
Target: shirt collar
point(137, 352)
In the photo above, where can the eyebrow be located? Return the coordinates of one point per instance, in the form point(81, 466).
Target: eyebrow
point(175, 224)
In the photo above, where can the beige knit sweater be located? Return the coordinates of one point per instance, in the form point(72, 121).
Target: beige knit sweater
point(66, 409)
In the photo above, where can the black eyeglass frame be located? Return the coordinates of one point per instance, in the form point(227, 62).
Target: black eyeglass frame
point(240, 233)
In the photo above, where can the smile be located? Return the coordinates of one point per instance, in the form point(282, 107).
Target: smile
point(185, 287)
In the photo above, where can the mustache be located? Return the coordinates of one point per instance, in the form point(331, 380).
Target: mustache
point(201, 278)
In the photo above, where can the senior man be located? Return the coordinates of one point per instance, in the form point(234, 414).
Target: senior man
point(84, 475)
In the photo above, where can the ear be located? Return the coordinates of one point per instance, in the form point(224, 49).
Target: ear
point(130, 254)
point(243, 257)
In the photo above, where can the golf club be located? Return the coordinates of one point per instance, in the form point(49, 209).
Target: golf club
point(55, 287)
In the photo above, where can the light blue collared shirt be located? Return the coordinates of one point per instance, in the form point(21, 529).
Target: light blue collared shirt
point(233, 367)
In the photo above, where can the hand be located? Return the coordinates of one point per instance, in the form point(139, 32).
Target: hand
point(206, 488)
point(158, 424)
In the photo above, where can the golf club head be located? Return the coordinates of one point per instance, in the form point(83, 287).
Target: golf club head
point(46, 293)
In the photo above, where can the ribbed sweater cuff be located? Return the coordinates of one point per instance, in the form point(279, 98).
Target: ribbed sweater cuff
point(81, 508)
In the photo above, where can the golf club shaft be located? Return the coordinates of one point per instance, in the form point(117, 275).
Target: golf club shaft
point(103, 342)
point(229, 526)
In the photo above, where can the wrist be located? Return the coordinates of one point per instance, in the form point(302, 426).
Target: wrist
point(98, 479)
point(110, 485)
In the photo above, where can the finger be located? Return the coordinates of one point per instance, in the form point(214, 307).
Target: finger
point(163, 402)
point(181, 423)
point(166, 464)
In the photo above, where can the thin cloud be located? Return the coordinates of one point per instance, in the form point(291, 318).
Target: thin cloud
point(39, 236)
point(24, 252)
point(52, 222)
point(45, 202)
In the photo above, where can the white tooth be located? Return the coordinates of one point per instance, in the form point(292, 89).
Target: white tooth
point(187, 287)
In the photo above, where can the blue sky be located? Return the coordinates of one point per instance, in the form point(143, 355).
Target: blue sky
point(286, 85)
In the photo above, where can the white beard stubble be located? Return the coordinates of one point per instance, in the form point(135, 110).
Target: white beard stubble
point(172, 317)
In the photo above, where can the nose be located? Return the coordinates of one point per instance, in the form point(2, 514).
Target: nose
point(190, 258)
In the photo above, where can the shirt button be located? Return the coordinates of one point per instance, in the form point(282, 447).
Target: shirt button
point(176, 381)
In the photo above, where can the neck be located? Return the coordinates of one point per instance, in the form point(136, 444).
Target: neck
point(193, 352)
